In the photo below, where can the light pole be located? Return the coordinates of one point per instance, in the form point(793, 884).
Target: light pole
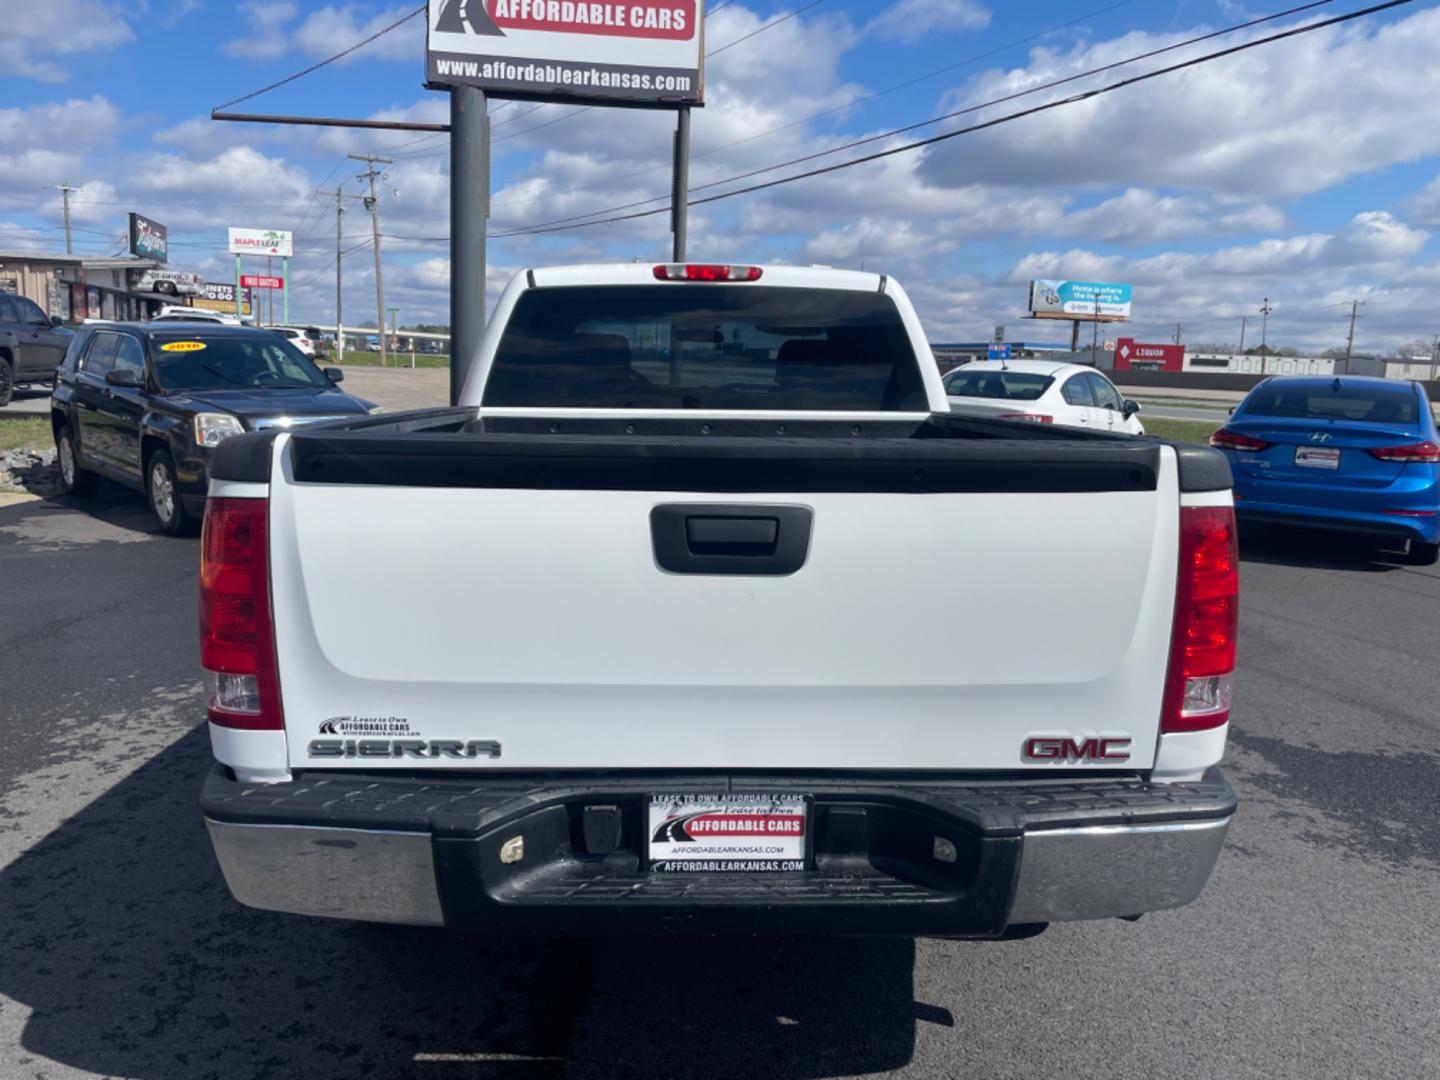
point(1265, 310)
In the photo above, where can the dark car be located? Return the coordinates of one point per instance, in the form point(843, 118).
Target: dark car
point(32, 344)
point(146, 404)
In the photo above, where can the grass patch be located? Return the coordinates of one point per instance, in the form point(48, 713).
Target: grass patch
point(32, 432)
point(372, 359)
point(1191, 431)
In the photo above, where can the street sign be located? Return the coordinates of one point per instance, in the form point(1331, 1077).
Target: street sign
point(262, 242)
point(260, 281)
point(999, 352)
point(640, 52)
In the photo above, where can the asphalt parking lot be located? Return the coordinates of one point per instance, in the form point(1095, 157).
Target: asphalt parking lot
point(1314, 953)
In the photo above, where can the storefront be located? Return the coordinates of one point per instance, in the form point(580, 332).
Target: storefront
point(77, 287)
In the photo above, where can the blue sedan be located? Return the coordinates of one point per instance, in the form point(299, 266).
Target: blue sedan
point(1354, 454)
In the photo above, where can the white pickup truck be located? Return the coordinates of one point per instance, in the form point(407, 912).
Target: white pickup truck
point(701, 613)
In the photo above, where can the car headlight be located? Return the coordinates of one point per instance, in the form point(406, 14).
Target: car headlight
point(211, 429)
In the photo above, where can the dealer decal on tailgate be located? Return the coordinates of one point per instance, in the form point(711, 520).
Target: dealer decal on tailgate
point(730, 833)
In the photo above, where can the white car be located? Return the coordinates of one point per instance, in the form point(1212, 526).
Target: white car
point(297, 337)
point(170, 282)
point(1043, 392)
point(180, 313)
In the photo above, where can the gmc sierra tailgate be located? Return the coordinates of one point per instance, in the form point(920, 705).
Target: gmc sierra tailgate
point(552, 602)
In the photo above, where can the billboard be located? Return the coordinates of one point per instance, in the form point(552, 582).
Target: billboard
point(148, 239)
point(261, 281)
point(636, 52)
point(220, 296)
point(1132, 355)
point(262, 242)
point(1080, 300)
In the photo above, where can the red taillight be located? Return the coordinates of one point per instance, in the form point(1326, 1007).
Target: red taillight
point(1202, 641)
point(1225, 439)
point(706, 272)
point(237, 640)
point(1426, 451)
point(1034, 418)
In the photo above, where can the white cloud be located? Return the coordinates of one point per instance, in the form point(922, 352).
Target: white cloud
point(1283, 120)
point(913, 20)
point(1140, 216)
point(34, 41)
point(1424, 206)
point(272, 31)
point(269, 35)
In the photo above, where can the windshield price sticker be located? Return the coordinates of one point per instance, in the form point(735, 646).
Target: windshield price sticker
point(182, 346)
point(733, 833)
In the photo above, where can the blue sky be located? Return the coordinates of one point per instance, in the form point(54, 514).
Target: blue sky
point(1307, 172)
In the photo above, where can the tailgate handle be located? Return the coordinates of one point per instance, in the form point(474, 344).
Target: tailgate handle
point(691, 538)
point(731, 535)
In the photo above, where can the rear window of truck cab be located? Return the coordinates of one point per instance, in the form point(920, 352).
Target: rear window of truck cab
point(691, 346)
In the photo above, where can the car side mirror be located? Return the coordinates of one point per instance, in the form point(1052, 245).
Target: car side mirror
point(122, 378)
point(1233, 408)
point(1130, 408)
point(335, 374)
point(56, 320)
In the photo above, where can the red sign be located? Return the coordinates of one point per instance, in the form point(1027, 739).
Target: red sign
point(1131, 355)
point(672, 19)
point(260, 281)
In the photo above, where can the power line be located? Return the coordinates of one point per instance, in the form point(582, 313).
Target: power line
point(896, 87)
point(712, 52)
point(330, 60)
point(773, 22)
point(1009, 117)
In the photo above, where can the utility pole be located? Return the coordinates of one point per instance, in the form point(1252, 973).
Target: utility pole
point(371, 204)
point(469, 210)
point(1434, 357)
point(339, 306)
point(65, 189)
point(680, 183)
point(1244, 321)
point(1265, 310)
point(1179, 332)
point(1350, 341)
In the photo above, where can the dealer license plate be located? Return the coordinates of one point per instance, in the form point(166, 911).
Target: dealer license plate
point(733, 834)
point(1317, 457)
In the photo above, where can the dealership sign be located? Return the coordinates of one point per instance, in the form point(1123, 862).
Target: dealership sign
point(148, 239)
point(1053, 299)
point(262, 242)
point(635, 52)
point(261, 281)
point(1132, 355)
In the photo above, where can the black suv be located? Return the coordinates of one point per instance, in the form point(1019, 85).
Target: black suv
point(31, 344)
point(147, 403)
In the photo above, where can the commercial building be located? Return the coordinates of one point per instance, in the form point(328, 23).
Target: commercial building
point(77, 287)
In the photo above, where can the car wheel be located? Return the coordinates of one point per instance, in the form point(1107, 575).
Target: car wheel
point(166, 287)
point(7, 381)
point(77, 481)
point(165, 501)
point(1422, 554)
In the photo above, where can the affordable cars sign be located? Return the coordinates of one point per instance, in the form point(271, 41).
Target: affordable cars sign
point(635, 52)
point(262, 242)
point(148, 239)
point(1053, 299)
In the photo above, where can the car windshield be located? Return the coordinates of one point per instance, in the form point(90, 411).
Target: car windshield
point(705, 347)
point(1367, 404)
point(1006, 385)
point(262, 362)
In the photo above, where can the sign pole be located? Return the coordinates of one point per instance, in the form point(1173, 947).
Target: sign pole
point(285, 292)
point(469, 209)
point(680, 183)
point(239, 312)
